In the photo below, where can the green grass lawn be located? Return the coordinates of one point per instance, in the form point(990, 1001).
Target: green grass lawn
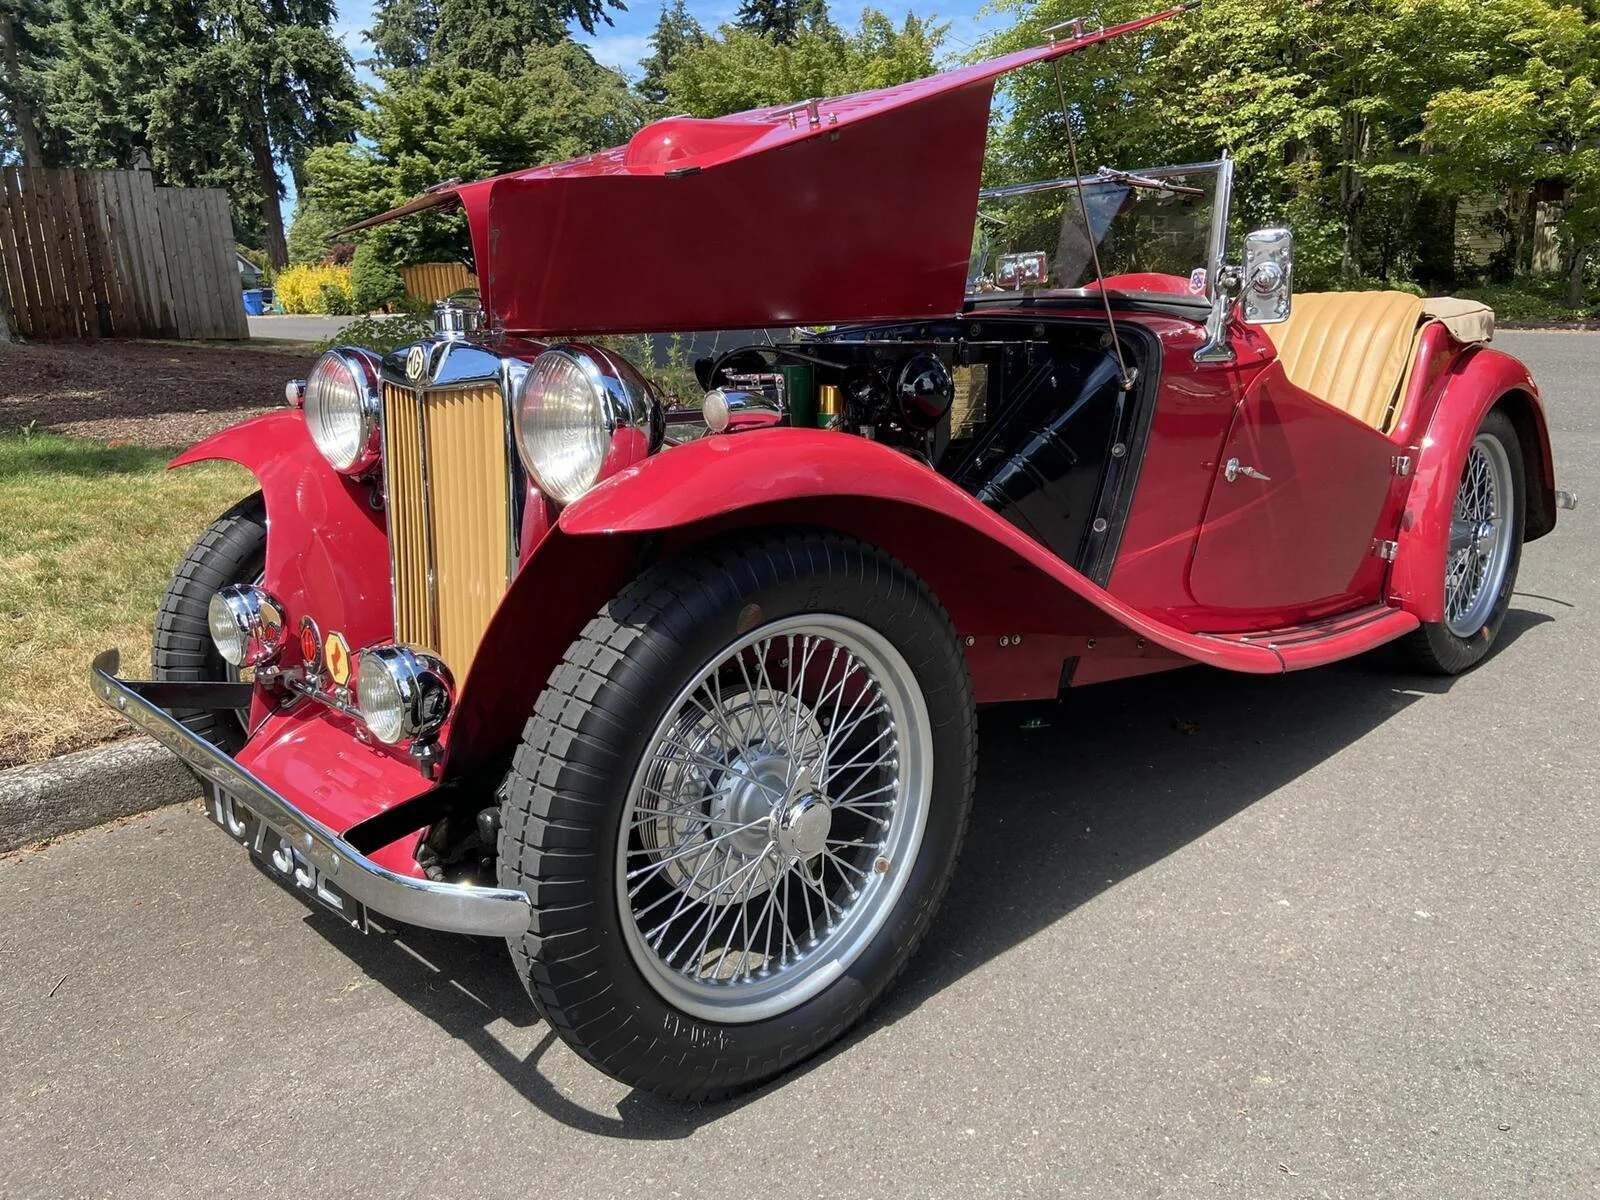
point(89, 535)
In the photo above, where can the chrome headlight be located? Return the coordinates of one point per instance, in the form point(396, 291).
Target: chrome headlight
point(341, 406)
point(581, 410)
point(246, 625)
point(402, 693)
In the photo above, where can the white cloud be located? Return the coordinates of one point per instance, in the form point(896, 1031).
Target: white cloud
point(620, 51)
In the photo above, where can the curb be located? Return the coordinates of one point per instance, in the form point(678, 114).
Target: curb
point(89, 787)
point(1551, 326)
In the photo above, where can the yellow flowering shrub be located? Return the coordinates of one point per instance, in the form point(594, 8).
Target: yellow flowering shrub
point(314, 289)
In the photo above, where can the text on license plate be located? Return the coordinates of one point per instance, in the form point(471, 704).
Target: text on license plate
point(273, 853)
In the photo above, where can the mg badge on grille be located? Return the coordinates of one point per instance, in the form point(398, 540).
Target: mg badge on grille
point(416, 363)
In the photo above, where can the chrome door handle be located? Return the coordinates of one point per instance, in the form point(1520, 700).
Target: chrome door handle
point(1235, 468)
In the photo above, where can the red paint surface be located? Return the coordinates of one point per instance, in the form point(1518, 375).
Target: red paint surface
point(887, 180)
point(309, 754)
point(327, 547)
point(1271, 550)
point(1475, 383)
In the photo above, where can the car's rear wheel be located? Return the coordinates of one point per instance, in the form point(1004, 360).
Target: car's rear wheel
point(233, 549)
point(1485, 550)
point(736, 807)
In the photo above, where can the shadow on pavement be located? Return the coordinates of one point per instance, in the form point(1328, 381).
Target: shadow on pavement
point(1073, 797)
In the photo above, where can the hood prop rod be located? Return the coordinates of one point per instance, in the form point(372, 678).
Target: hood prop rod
point(1125, 376)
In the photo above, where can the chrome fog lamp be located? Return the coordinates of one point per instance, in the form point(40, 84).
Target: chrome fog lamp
point(246, 625)
point(402, 693)
point(341, 406)
point(578, 410)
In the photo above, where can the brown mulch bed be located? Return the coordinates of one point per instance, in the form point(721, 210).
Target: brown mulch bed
point(161, 394)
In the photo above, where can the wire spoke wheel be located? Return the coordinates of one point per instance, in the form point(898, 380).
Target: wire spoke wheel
point(774, 818)
point(1480, 542)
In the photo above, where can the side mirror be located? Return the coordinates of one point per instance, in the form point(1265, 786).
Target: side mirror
point(1268, 276)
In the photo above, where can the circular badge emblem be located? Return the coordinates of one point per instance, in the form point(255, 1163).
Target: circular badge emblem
point(310, 646)
point(416, 363)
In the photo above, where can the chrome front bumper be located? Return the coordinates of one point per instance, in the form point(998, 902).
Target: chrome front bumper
point(454, 908)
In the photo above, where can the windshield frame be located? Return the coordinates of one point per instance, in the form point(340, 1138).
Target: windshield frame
point(1216, 242)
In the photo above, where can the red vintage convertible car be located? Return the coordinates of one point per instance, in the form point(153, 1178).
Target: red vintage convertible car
point(682, 703)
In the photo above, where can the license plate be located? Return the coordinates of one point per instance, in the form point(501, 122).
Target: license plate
point(275, 856)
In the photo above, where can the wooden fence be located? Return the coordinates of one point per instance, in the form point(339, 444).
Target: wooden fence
point(435, 281)
point(109, 254)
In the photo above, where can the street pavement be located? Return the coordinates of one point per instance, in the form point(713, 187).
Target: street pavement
point(1333, 934)
point(296, 329)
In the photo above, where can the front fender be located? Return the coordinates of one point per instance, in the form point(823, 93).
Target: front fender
point(992, 579)
point(1478, 381)
point(327, 548)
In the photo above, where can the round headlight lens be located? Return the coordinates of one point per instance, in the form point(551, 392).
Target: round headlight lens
point(229, 638)
point(402, 693)
point(246, 625)
point(378, 695)
point(341, 407)
point(562, 425)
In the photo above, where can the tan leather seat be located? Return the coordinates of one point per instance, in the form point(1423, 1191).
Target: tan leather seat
point(1350, 349)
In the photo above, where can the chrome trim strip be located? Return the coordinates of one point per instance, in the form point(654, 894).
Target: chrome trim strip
point(420, 394)
point(1221, 205)
point(451, 907)
point(1097, 179)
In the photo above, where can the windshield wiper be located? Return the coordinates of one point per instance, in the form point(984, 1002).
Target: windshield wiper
point(1112, 175)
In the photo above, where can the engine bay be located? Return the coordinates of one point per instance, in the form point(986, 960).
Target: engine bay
point(1031, 418)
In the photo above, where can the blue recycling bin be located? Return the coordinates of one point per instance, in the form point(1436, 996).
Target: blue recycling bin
point(255, 301)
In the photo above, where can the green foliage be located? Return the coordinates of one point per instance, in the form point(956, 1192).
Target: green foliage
point(1322, 105)
point(675, 32)
point(209, 92)
point(1529, 300)
point(402, 33)
point(380, 334)
point(23, 34)
point(309, 233)
point(374, 282)
point(781, 21)
point(739, 69)
point(449, 122)
point(477, 35)
point(1535, 115)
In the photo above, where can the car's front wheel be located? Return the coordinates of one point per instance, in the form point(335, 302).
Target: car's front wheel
point(233, 549)
point(1485, 549)
point(736, 807)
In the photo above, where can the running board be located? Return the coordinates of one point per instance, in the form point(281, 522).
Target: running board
point(1328, 640)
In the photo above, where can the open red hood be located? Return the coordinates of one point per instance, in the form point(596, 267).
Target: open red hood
point(852, 208)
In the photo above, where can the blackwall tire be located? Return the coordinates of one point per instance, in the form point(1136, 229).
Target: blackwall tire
point(233, 549)
point(1474, 616)
point(586, 801)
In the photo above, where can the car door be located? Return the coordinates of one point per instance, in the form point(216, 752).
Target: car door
point(1290, 527)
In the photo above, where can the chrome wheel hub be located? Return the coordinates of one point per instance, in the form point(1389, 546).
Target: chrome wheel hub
point(772, 824)
point(1478, 556)
point(801, 827)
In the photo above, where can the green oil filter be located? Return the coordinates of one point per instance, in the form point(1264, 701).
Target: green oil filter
point(800, 395)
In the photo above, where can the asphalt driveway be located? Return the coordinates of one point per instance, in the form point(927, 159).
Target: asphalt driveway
point(1334, 934)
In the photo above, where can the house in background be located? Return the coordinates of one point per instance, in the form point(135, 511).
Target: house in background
point(250, 275)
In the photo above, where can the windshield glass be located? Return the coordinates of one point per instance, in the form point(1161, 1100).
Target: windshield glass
point(1154, 221)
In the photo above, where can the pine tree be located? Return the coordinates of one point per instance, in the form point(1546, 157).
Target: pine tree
point(675, 32)
point(781, 21)
point(479, 35)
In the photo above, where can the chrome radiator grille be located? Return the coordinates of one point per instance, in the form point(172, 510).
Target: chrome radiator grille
point(447, 486)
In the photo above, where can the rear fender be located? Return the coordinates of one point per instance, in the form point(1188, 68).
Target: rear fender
point(998, 585)
point(327, 549)
point(1478, 381)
